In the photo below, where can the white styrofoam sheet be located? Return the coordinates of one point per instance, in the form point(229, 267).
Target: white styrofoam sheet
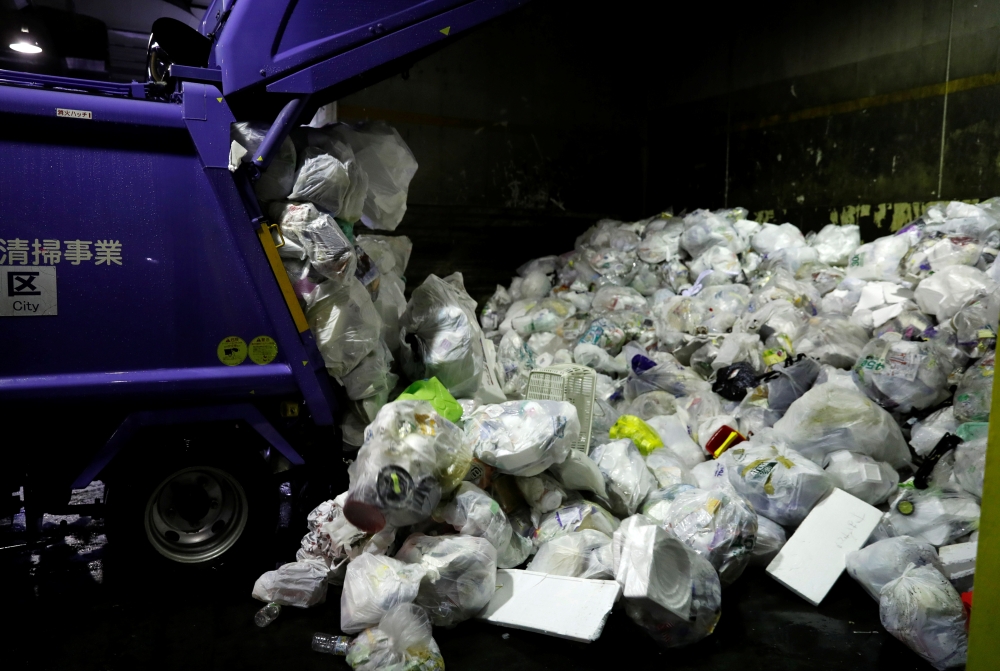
point(959, 560)
point(572, 608)
point(816, 554)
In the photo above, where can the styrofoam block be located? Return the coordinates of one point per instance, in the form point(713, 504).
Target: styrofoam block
point(573, 608)
point(959, 560)
point(816, 554)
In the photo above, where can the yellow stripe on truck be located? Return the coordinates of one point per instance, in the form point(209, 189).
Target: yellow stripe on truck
point(267, 242)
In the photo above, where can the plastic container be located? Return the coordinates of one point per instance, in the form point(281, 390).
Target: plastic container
point(567, 382)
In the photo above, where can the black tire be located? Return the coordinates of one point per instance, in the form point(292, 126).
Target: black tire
point(191, 503)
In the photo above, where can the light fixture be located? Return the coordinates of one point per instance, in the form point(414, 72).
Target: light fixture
point(26, 48)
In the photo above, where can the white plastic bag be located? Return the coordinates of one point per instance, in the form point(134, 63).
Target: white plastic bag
point(902, 375)
point(580, 472)
point(779, 483)
point(772, 237)
point(390, 166)
point(522, 437)
point(974, 394)
point(924, 611)
point(879, 260)
point(836, 244)
point(375, 584)
point(320, 238)
point(970, 465)
point(831, 339)
point(542, 492)
point(876, 565)
point(929, 431)
point(668, 468)
point(770, 539)
point(460, 577)
point(571, 518)
point(937, 515)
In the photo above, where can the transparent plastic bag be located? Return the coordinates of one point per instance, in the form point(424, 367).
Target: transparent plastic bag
point(716, 524)
point(460, 577)
point(522, 437)
point(936, 252)
point(627, 479)
point(670, 591)
point(383, 155)
point(495, 309)
point(542, 492)
point(970, 465)
point(936, 515)
point(928, 432)
point(331, 178)
point(924, 611)
point(945, 292)
point(320, 238)
point(880, 259)
point(580, 554)
point(668, 469)
point(651, 404)
point(574, 517)
point(410, 457)
point(876, 565)
point(831, 339)
point(335, 541)
point(704, 229)
point(276, 182)
point(579, 472)
point(345, 323)
point(902, 375)
point(834, 416)
point(544, 317)
point(442, 337)
point(789, 382)
point(836, 243)
point(300, 583)
point(646, 375)
point(661, 241)
point(861, 476)
point(401, 641)
point(770, 539)
point(371, 376)
point(974, 393)
point(779, 483)
point(515, 360)
point(772, 237)
point(374, 584)
point(474, 513)
point(716, 265)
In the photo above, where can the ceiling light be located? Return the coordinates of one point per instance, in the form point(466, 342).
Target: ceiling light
point(26, 48)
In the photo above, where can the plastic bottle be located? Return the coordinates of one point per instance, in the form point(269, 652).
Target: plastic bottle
point(267, 614)
point(330, 644)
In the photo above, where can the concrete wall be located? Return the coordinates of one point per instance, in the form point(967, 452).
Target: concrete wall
point(536, 125)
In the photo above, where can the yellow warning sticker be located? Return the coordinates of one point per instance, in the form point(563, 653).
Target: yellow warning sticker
point(263, 350)
point(232, 351)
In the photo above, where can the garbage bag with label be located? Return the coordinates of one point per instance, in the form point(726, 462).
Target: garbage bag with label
point(876, 565)
point(474, 513)
point(879, 260)
point(410, 457)
point(670, 591)
point(923, 610)
point(902, 375)
point(460, 575)
point(779, 483)
point(571, 518)
point(402, 640)
point(838, 416)
point(627, 479)
point(522, 437)
point(580, 554)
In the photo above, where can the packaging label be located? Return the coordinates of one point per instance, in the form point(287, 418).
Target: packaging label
point(263, 350)
point(232, 351)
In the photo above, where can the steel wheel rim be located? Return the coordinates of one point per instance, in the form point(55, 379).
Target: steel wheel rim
point(195, 514)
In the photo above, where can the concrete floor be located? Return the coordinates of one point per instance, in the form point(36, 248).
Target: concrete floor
point(65, 606)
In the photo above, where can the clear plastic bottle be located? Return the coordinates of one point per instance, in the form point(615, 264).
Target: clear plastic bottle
point(330, 644)
point(267, 614)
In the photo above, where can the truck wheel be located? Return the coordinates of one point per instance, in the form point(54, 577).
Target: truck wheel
point(194, 504)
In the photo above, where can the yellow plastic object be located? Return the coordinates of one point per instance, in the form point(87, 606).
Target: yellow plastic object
point(984, 629)
point(435, 393)
point(630, 426)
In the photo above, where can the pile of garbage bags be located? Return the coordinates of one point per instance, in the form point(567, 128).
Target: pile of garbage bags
point(743, 371)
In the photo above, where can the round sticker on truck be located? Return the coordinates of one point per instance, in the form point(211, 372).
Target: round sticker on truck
point(232, 351)
point(263, 350)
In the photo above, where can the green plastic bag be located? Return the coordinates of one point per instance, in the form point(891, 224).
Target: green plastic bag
point(437, 395)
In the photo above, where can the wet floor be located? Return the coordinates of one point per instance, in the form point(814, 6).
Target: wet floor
point(67, 604)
